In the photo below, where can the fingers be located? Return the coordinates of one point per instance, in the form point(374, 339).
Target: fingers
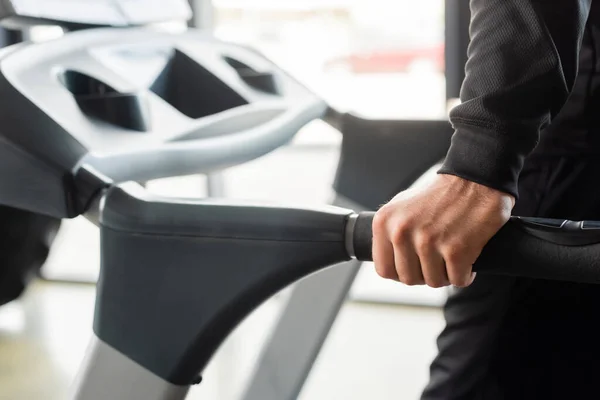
point(383, 250)
point(414, 256)
point(408, 264)
point(432, 263)
point(459, 265)
point(393, 251)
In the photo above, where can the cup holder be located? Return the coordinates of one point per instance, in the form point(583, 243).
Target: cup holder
point(262, 81)
point(193, 90)
point(99, 100)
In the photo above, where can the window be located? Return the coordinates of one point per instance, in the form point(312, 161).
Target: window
point(379, 58)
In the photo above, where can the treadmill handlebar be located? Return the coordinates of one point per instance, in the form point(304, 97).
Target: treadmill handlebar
point(527, 247)
point(230, 256)
point(234, 145)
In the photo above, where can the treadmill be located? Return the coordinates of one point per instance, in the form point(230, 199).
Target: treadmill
point(79, 126)
point(413, 148)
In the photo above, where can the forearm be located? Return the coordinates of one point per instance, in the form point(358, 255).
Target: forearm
point(522, 64)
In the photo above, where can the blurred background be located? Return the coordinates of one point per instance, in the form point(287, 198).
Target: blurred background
point(399, 59)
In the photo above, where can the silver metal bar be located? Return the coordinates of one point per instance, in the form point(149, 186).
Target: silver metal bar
point(349, 236)
point(215, 184)
point(93, 212)
point(303, 327)
point(203, 17)
point(108, 374)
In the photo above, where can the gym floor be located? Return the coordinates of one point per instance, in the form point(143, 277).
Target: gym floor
point(375, 351)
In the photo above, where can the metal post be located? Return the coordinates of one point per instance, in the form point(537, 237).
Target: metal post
point(108, 374)
point(203, 14)
point(215, 185)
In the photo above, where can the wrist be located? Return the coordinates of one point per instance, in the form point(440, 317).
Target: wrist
point(464, 185)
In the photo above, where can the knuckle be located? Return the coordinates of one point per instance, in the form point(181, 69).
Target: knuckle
point(436, 278)
point(460, 274)
point(408, 279)
point(455, 253)
point(452, 260)
point(435, 284)
point(386, 272)
point(425, 241)
point(400, 233)
point(387, 210)
point(379, 221)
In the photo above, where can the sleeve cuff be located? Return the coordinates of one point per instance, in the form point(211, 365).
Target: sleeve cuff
point(486, 157)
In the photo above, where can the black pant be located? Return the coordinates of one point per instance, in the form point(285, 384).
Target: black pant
point(25, 240)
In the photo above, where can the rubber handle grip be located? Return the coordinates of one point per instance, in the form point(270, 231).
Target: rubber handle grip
point(525, 247)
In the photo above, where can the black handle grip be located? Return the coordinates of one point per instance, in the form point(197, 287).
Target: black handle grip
point(527, 247)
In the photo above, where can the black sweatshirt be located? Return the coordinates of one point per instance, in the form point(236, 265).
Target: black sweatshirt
point(523, 62)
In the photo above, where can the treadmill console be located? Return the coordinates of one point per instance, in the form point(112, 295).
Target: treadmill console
point(96, 12)
point(136, 104)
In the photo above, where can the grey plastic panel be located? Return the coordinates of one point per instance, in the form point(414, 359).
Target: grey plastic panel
point(178, 275)
point(98, 12)
point(32, 183)
point(108, 374)
point(130, 208)
point(380, 158)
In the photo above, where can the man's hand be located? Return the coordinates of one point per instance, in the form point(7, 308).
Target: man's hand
point(433, 235)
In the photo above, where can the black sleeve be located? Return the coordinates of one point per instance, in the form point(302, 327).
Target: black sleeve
point(522, 64)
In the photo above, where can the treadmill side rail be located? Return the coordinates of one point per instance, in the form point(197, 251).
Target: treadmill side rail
point(200, 267)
